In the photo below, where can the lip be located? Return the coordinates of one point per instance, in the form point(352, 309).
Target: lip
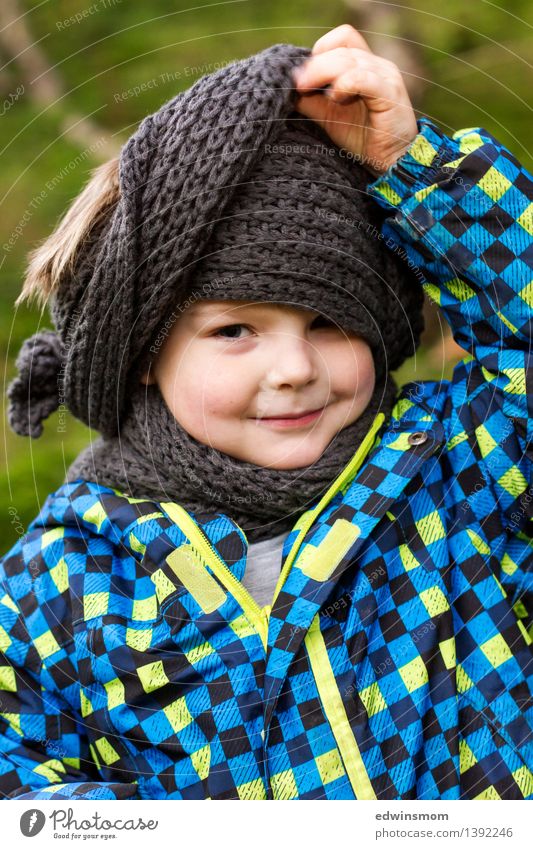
point(292, 420)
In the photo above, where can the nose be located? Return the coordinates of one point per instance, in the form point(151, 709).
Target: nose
point(294, 362)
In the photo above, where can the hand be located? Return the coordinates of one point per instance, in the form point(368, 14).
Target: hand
point(366, 110)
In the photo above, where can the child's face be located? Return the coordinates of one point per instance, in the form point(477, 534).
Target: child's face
point(230, 371)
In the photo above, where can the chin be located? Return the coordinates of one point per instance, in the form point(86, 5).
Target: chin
point(297, 459)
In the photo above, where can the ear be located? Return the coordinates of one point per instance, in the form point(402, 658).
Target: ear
point(147, 377)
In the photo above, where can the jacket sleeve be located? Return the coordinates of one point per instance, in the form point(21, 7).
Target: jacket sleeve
point(44, 751)
point(462, 211)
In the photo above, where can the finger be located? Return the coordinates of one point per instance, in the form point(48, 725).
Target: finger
point(322, 69)
point(366, 83)
point(342, 36)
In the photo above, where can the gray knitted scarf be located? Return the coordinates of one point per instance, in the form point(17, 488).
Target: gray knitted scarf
point(154, 457)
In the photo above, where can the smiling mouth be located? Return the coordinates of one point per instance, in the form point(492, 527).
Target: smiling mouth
point(291, 419)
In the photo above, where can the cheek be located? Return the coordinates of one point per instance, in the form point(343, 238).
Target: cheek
point(355, 369)
point(204, 386)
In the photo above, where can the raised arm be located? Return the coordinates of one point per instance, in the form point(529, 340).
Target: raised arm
point(462, 208)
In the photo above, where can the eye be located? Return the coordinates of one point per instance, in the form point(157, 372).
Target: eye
point(230, 331)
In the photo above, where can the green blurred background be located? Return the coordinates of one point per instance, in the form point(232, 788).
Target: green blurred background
point(66, 71)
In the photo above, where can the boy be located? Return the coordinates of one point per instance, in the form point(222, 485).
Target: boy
point(394, 660)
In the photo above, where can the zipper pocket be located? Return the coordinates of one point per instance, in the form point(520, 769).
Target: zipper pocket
point(256, 615)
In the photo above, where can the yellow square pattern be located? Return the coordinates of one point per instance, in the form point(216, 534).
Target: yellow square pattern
point(422, 194)
point(145, 609)
point(14, 721)
point(7, 601)
point(95, 515)
point(198, 653)
point(46, 644)
point(526, 220)
point(106, 751)
point(95, 604)
point(5, 639)
point(284, 785)
point(467, 758)
point(513, 481)
point(330, 766)
point(469, 139)
point(152, 676)
point(527, 294)
point(139, 638)
point(490, 794)
point(434, 601)
point(178, 714)
point(241, 627)
point(496, 651)
point(372, 699)
point(517, 381)
point(432, 292)
point(8, 682)
point(389, 194)
point(252, 790)
point(505, 320)
point(408, 558)
point(136, 544)
point(51, 536)
point(463, 680)
point(421, 150)
point(494, 184)
point(201, 761)
point(460, 289)
point(163, 586)
point(59, 575)
point(430, 528)
point(414, 674)
point(478, 543)
point(401, 443)
point(524, 778)
point(116, 694)
point(48, 770)
point(485, 441)
point(447, 650)
point(86, 706)
point(457, 440)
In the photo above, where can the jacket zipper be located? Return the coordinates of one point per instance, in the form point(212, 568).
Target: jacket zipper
point(259, 616)
point(347, 473)
point(335, 712)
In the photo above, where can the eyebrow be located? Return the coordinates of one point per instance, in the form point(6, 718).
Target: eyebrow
point(197, 309)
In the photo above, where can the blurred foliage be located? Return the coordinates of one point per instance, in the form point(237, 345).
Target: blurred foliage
point(473, 58)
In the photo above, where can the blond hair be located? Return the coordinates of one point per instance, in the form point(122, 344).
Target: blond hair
point(56, 255)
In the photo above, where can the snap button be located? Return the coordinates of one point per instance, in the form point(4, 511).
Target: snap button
point(417, 438)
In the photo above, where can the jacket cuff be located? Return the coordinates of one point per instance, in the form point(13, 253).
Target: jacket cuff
point(417, 168)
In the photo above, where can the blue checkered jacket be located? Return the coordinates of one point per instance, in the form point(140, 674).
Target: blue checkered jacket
point(396, 660)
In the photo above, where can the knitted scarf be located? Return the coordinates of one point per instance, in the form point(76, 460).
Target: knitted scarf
point(154, 457)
